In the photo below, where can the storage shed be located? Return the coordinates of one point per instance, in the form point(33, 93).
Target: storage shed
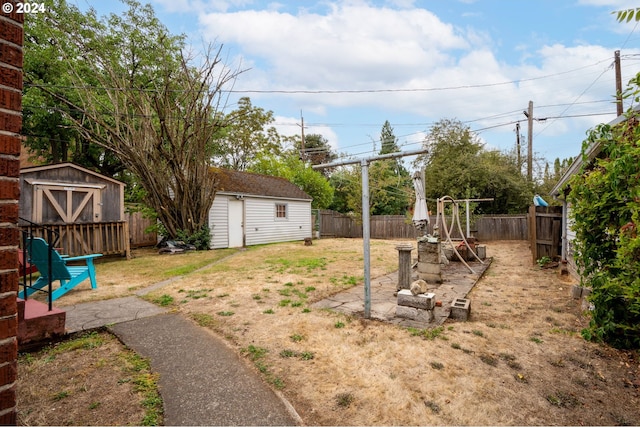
point(85, 207)
point(251, 209)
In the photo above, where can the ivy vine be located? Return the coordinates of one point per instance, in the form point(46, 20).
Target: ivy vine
point(605, 208)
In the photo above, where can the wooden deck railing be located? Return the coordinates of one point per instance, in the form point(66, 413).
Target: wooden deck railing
point(107, 238)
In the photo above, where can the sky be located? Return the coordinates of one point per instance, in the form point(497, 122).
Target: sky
point(348, 66)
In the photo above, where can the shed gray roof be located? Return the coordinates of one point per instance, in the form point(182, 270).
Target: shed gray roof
point(246, 183)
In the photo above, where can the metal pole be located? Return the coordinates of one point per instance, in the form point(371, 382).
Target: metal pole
point(366, 221)
point(366, 237)
point(468, 226)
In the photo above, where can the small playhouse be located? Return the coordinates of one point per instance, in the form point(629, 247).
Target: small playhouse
point(84, 207)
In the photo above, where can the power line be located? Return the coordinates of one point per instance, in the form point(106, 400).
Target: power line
point(327, 91)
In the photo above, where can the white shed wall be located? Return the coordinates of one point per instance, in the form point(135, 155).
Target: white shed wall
point(219, 222)
point(262, 226)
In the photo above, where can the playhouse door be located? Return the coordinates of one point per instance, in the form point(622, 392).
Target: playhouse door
point(236, 223)
point(67, 203)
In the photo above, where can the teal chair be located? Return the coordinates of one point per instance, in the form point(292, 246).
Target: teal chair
point(69, 276)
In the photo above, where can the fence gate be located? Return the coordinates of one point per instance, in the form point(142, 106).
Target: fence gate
point(545, 231)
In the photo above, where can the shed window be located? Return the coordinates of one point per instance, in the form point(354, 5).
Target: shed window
point(281, 211)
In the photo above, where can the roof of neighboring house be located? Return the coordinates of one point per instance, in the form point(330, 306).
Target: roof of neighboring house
point(246, 183)
point(592, 152)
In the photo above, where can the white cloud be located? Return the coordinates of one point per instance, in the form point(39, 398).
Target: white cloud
point(352, 46)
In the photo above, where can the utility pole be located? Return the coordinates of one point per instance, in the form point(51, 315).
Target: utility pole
point(518, 147)
point(529, 115)
point(619, 107)
point(366, 222)
point(303, 154)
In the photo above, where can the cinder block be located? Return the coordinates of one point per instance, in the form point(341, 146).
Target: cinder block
point(421, 301)
point(406, 312)
point(426, 316)
point(460, 309)
point(417, 314)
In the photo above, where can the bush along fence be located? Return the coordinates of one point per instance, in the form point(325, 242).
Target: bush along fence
point(484, 228)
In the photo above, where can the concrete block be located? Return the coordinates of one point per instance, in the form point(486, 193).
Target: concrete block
point(421, 301)
point(481, 251)
point(460, 309)
point(406, 312)
point(426, 316)
point(417, 314)
point(428, 268)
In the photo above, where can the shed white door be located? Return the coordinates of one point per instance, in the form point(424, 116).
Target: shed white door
point(236, 223)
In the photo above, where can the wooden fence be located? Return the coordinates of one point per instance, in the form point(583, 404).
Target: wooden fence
point(501, 227)
point(107, 238)
point(545, 231)
point(485, 228)
point(138, 225)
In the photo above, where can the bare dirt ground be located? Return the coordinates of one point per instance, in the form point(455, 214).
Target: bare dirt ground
point(519, 360)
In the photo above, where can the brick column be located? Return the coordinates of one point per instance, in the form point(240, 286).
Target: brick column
point(11, 36)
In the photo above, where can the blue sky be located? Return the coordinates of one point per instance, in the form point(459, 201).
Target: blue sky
point(416, 62)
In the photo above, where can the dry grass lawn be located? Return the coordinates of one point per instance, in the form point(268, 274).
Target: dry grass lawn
point(518, 360)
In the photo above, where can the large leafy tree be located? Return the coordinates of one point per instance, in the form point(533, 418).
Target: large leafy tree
point(390, 187)
point(290, 167)
point(457, 165)
point(316, 150)
point(605, 201)
point(52, 51)
point(246, 136)
point(135, 93)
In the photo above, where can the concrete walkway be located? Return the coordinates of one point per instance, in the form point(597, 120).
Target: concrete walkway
point(203, 381)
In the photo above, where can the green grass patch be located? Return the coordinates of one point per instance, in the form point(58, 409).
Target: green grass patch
point(489, 360)
point(563, 399)
point(163, 300)
point(281, 265)
point(427, 334)
point(203, 319)
point(84, 342)
point(437, 365)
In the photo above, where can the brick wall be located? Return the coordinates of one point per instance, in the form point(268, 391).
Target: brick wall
point(11, 36)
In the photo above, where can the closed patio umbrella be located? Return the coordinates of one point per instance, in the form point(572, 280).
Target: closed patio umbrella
point(420, 213)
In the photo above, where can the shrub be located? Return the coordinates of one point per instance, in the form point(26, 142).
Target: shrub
point(605, 199)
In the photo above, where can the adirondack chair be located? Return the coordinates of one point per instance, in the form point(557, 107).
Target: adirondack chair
point(69, 276)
